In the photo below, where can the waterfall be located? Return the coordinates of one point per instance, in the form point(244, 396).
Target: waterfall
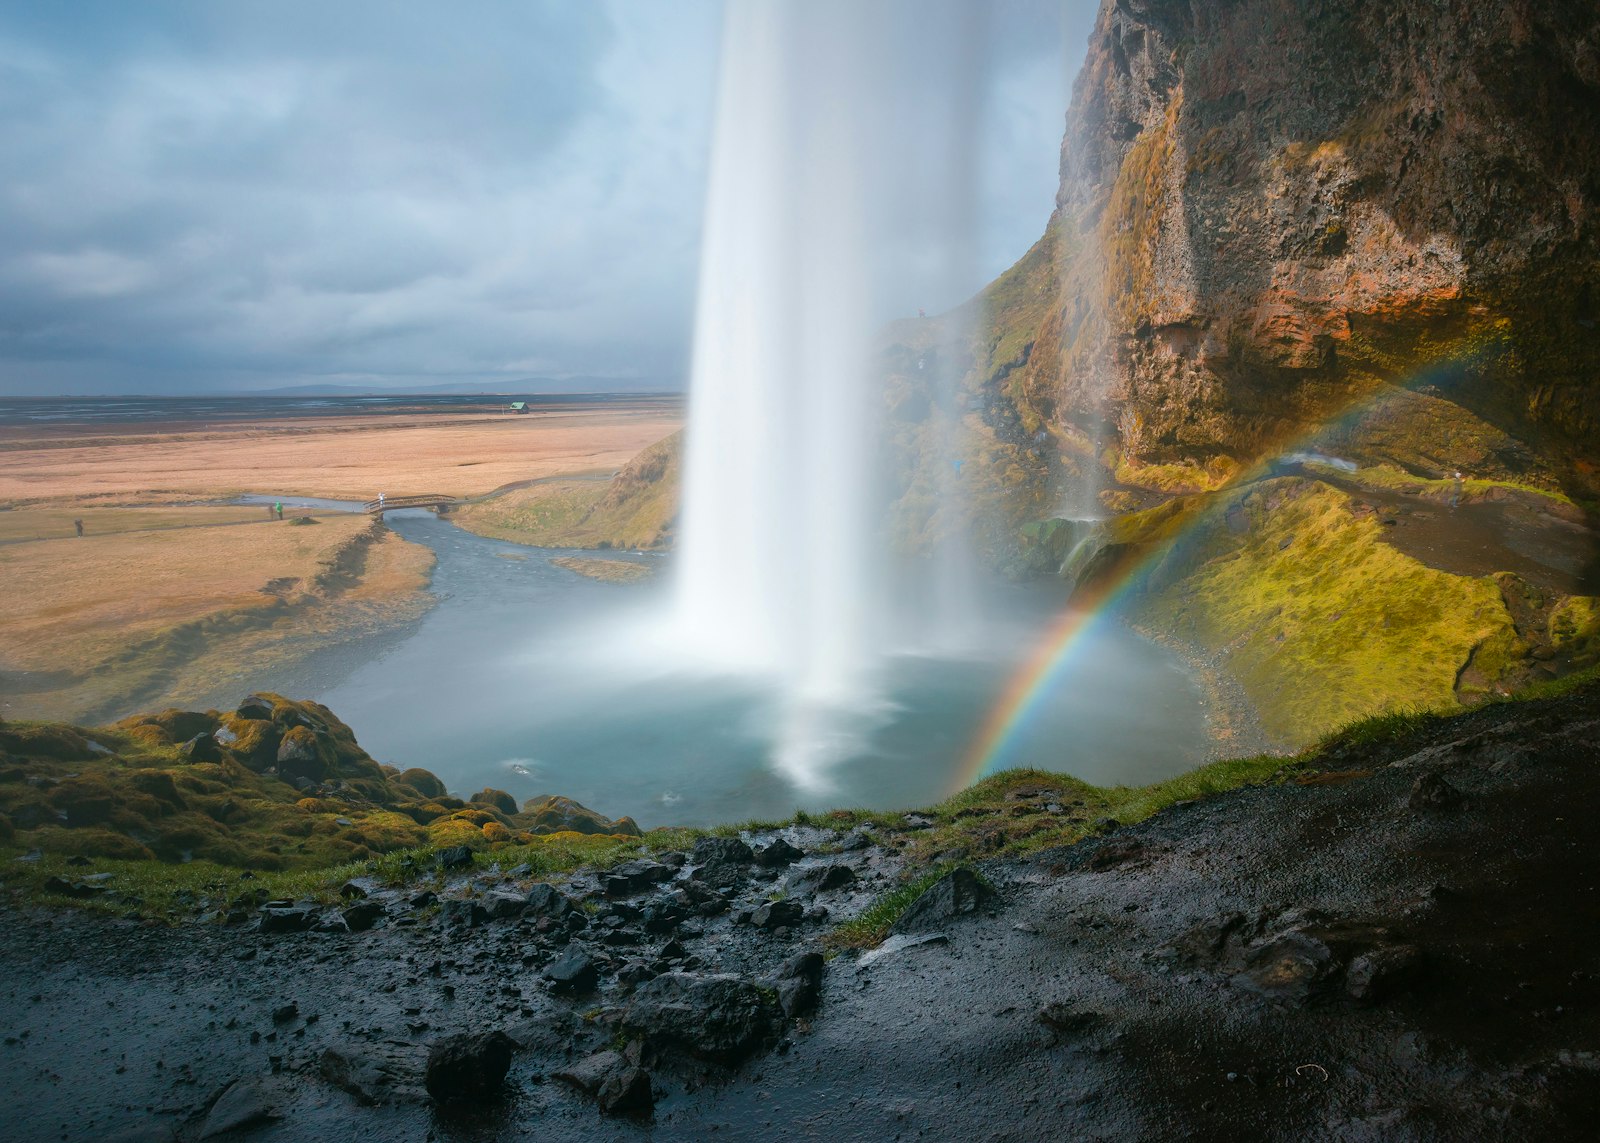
point(821, 206)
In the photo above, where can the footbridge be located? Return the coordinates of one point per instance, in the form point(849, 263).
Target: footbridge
point(439, 503)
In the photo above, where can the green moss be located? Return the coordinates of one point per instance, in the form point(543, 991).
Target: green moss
point(1318, 619)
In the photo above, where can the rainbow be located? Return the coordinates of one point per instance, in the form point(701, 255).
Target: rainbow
point(1035, 682)
point(994, 745)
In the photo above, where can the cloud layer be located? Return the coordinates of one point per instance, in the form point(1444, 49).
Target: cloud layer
point(204, 196)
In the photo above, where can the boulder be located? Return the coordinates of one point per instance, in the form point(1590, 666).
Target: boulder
point(722, 1018)
point(798, 983)
point(241, 1104)
point(363, 915)
point(469, 1068)
point(502, 905)
point(778, 915)
point(617, 1085)
point(298, 756)
point(820, 878)
point(721, 851)
point(956, 894)
point(201, 748)
point(375, 1073)
point(454, 857)
point(294, 919)
point(255, 706)
point(498, 799)
point(1432, 792)
point(574, 972)
point(548, 901)
point(1376, 975)
point(777, 854)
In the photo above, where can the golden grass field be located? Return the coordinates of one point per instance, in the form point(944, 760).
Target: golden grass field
point(342, 458)
point(166, 600)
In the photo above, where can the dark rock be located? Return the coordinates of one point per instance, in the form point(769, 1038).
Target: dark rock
point(957, 893)
point(590, 1072)
point(1376, 975)
point(375, 1073)
point(423, 900)
point(363, 915)
point(78, 889)
point(241, 1104)
point(1293, 966)
point(644, 873)
point(201, 748)
point(918, 821)
point(721, 851)
point(350, 890)
point(1432, 792)
point(1113, 852)
point(547, 901)
point(255, 707)
point(469, 1068)
point(821, 878)
point(619, 887)
point(661, 917)
point(454, 857)
point(458, 913)
point(1064, 1020)
point(721, 1017)
point(635, 973)
point(284, 1013)
point(626, 1092)
point(855, 840)
point(778, 915)
point(298, 756)
point(798, 982)
point(294, 919)
point(574, 972)
point(777, 855)
point(503, 906)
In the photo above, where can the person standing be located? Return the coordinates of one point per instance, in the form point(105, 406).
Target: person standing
point(78, 524)
point(278, 508)
point(1455, 491)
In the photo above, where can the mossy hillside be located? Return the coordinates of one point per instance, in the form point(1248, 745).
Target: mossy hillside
point(1317, 618)
point(635, 509)
point(289, 790)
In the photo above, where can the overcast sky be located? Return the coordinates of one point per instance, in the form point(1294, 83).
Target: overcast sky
point(206, 196)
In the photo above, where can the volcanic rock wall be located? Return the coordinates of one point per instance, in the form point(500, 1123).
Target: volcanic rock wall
point(1374, 218)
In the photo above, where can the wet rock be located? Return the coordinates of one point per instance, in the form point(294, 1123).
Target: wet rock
point(470, 1068)
point(798, 983)
point(777, 854)
point(590, 1072)
point(1381, 973)
point(293, 919)
point(285, 1013)
point(1065, 1021)
point(722, 1018)
point(574, 972)
point(374, 1073)
point(1293, 966)
point(1431, 791)
point(1116, 852)
point(241, 1104)
point(778, 915)
point(454, 857)
point(298, 756)
point(821, 878)
point(459, 913)
point(548, 901)
point(635, 973)
point(363, 915)
point(957, 893)
point(351, 891)
point(721, 851)
point(855, 840)
point(627, 1092)
point(918, 821)
point(76, 888)
point(643, 874)
point(660, 917)
point(503, 906)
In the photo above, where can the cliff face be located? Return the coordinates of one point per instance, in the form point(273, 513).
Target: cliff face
point(1277, 216)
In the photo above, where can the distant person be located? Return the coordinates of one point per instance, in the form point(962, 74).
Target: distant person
point(78, 524)
point(380, 500)
point(1455, 491)
point(278, 508)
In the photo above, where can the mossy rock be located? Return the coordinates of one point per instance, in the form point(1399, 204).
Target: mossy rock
point(498, 799)
point(553, 814)
point(52, 741)
point(87, 843)
point(495, 833)
point(172, 725)
point(477, 817)
point(424, 782)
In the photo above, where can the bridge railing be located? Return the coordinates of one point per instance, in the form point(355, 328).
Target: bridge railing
point(388, 503)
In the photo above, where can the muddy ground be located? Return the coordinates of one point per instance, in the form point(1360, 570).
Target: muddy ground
point(1402, 945)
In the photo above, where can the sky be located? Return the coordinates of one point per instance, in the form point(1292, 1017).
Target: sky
point(212, 197)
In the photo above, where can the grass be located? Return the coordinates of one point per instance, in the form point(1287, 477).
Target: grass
point(1318, 619)
point(1387, 478)
point(634, 510)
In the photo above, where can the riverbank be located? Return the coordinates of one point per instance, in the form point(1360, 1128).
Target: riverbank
point(1337, 949)
point(172, 595)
